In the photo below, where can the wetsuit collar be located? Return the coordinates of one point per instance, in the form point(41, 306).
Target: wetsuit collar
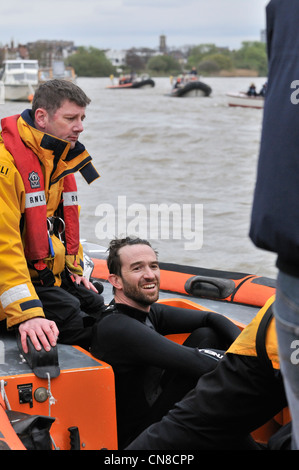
point(132, 312)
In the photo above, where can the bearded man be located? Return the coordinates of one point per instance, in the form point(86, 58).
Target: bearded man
point(151, 371)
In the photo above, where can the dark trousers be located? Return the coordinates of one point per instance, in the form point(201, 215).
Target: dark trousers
point(226, 405)
point(173, 385)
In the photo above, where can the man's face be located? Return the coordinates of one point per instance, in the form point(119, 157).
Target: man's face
point(65, 123)
point(140, 274)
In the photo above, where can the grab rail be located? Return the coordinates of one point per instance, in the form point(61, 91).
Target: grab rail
point(211, 287)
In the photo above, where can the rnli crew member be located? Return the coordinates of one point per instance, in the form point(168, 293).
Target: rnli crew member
point(241, 394)
point(152, 372)
point(274, 220)
point(42, 289)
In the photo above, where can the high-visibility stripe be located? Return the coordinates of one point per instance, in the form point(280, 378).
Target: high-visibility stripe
point(14, 294)
point(70, 198)
point(35, 199)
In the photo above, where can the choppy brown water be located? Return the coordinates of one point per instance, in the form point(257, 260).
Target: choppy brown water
point(176, 154)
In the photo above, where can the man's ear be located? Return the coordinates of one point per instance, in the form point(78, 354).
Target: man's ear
point(41, 118)
point(115, 281)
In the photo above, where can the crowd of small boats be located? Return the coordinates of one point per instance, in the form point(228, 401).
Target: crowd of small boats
point(20, 78)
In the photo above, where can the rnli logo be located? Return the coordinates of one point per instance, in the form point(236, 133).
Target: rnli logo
point(4, 170)
point(34, 180)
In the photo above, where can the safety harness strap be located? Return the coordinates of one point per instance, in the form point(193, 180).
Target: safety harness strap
point(260, 342)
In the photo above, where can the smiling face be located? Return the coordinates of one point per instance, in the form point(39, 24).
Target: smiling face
point(139, 282)
point(65, 123)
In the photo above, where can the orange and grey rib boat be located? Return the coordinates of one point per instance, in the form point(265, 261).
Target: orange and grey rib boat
point(79, 402)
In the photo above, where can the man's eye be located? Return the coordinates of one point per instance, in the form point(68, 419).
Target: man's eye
point(136, 268)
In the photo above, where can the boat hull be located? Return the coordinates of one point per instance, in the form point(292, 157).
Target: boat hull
point(244, 101)
point(192, 89)
point(16, 92)
point(83, 395)
point(84, 392)
point(148, 83)
point(19, 78)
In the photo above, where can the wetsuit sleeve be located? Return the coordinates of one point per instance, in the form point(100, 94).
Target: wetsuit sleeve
point(171, 320)
point(120, 339)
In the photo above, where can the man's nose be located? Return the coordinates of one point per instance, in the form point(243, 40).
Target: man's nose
point(148, 272)
point(78, 126)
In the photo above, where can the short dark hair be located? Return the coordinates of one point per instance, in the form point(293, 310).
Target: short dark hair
point(51, 94)
point(113, 260)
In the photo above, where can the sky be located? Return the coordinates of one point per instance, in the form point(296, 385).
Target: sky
point(123, 24)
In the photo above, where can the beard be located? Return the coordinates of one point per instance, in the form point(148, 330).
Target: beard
point(140, 295)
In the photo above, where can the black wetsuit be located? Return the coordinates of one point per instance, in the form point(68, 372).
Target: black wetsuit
point(151, 371)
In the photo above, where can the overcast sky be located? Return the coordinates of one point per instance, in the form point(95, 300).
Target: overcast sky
point(122, 24)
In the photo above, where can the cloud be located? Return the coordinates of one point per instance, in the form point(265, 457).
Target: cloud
point(129, 23)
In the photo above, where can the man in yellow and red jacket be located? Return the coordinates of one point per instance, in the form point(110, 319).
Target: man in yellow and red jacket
point(40, 252)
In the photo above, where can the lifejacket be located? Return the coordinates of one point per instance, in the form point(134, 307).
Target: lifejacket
point(249, 343)
point(38, 243)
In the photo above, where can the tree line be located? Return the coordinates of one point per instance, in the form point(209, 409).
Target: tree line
point(208, 59)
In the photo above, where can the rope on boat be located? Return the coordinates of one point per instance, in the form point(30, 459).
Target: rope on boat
point(52, 401)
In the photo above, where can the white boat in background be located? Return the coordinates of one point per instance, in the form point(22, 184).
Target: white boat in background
point(245, 101)
point(20, 79)
point(58, 70)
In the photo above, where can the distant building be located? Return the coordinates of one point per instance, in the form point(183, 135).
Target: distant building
point(178, 55)
point(12, 52)
point(134, 58)
point(48, 51)
point(162, 45)
point(263, 36)
point(116, 57)
point(44, 51)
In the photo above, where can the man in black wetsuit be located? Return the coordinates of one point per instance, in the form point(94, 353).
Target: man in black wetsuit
point(151, 371)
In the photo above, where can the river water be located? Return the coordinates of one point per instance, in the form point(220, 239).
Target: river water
point(178, 171)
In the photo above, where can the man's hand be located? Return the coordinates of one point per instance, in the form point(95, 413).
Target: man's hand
point(82, 280)
point(41, 332)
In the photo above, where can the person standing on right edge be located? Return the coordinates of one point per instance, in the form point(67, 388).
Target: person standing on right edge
point(275, 211)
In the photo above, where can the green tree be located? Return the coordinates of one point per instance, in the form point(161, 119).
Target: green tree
point(90, 62)
point(163, 64)
point(252, 55)
point(198, 53)
point(207, 67)
point(223, 61)
point(214, 63)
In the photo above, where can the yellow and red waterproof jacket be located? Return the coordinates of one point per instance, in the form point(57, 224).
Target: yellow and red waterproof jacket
point(18, 299)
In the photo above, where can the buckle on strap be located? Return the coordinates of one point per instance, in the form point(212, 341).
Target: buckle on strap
point(46, 276)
